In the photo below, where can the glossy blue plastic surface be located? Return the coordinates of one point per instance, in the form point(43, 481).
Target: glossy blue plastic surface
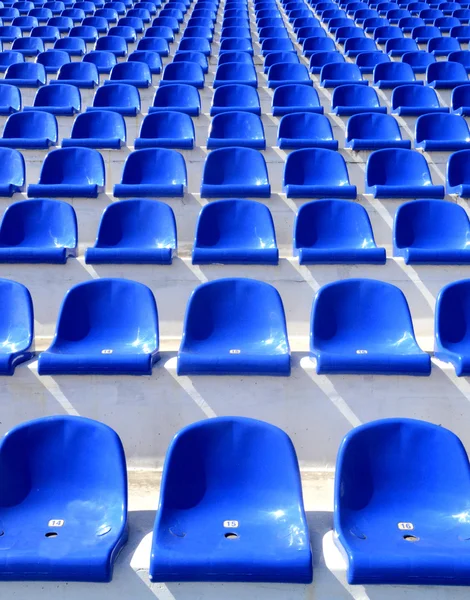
point(367, 61)
point(47, 33)
point(52, 60)
point(352, 99)
point(61, 178)
point(335, 74)
point(234, 326)
point(441, 131)
point(97, 129)
point(202, 45)
point(418, 60)
point(461, 33)
point(443, 46)
point(28, 46)
point(278, 57)
point(317, 44)
point(166, 129)
point(152, 172)
point(87, 33)
point(8, 33)
point(235, 172)
point(235, 232)
point(317, 173)
point(12, 172)
point(231, 466)
point(113, 43)
point(458, 174)
point(131, 73)
point(240, 73)
point(371, 131)
point(102, 59)
point(364, 326)
point(236, 128)
point(135, 232)
point(286, 73)
point(305, 130)
point(30, 129)
point(335, 232)
point(196, 57)
point(38, 231)
point(446, 75)
point(10, 99)
point(393, 74)
point(16, 328)
point(73, 46)
point(177, 97)
point(295, 97)
point(63, 23)
point(8, 58)
point(105, 326)
point(120, 98)
point(25, 74)
point(400, 173)
point(188, 73)
point(415, 100)
point(431, 232)
point(80, 74)
point(25, 23)
point(354, 46)
point(462, 57)
point(235, 97)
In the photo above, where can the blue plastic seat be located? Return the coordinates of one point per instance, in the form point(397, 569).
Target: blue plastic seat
point(277, 57)
point(199, 32)
point(407, 24)
point(131, 73)
point(133, 22)
point(367, 61)
point(128, 34)
point(109, 14)
point(317, 173)
point(103, 60)
point(441, 131)
point(354, 46)
point(25, 74)
point(26, 23)
point(135, 232)
point(12, 172)
point(334, 232)
point(386, 32)
point(363, 326)
point(63, 24)
point(305, 130)
point(195, 57)
point(58, 100)
point(431, 232)
point(172, 12)
point(451, 342)
point(446, 75)
point(7, 58)
point(10, 99)
point(230, 73)
point(87, 33)
point(119, 7)
point(41, 14)
point(335, 74)
point(278, 45)
point(239, 57)
point(119, 98)
point(8, 33)
point(38, 231)
point(362, 14)
point(318, 44)
point(150, 6)
point(446, 24)
point(236, 128)
point(152, 172)
point(274, 21)
point(55, 7)
point(60, 177)
point(47, 33)
point(286, 73)
point(52, 60)
point(16, 333)
point(73, 46)
point(166, 129)
point(371, 131)
point(202, 45)
point(242, 446)
point(463, 15)
point(188, 73)
point(241, 31)
point(151, 59)
point(80, 74)
point(462, 57)
point(400, 46)
point(7, 14)
point(415, 100)
point(429, 15)
point(423, 33)
point(400, 173)
point(141, 13)
point(293, 98)
point(97, 129)
point(458, 173)
point(234, 326)
point(177, 97)
point(337, 22)
point(105, 326)
point(443, 46)
point(319, 59)
point(461, 33)
point(235, 172)
point(394, 15)
point(393, 74)
point(419, 60)
point(99, 23)
point(304, 33)
point(113, 43)
point(460, 100)
point(30, 129)
point(235, 232)
point(235, 97)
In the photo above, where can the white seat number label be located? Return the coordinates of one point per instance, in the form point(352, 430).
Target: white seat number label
point(231, 524)
point(235, 351)
point(405, 526)
point(55, 523)
point(361, 351)
point(106, 351)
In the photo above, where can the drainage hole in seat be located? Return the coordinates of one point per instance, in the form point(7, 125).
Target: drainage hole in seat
point(231, 536)
point(51, 534)
point(411, 538)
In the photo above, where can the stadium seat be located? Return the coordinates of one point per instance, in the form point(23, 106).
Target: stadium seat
point(230, 73)
point(60, 177)
point(52, 60)
point(336, 74)
point(400, 173)
point(16, 333)
point(80, 74)
point(202, 45)
point(418, 61)
point(103, 60)
point(161, 31)
point(151, 59)
point(109, 14)
point(12, 172)
point(28, 46)
point(424, 33)
point(409, 23)
point(200, 32)
point(399, 46)
point(367, 61)
point(141, 13)
point(264, 479)
point(277, 45)
point(119, 7)
point(235, 172)
point(361, 326)
point(242, 57)
point(396, 14)
point(38, 231)
point(8, 57)
point(87, 33)
point(274, 58)
point(317, 44)
point(119, 98)
point(166, 129)
point(334, 232)
point(7, 13)
point(462, 57)
point(63, 24)
point(131, 73)
point(42, 15)
point(458, 173)
point(387, 454)
point(390, 75)
point(25, 74)
point(134, 23)
point(235, 97)
point(463, 15)
point(188, 73)
point(152, 172)
point(234, 326)
point(135, 232)
point(441, 131)
point(166, 21)
point(73, 46)
point(124, 319)
point(317, 173)
point(304, 33)
point(429, 15)
point(354, 46)
point(293, 98)
point(353, 99)
point(305, 130)
point(235, 232)
point(196, 57)
point(431, 232)
point(8, 33)
point(10, 100)
point(55, 7)
point(115, 44)
point(382, 34)
point(319, 59)
point(451, 321)
point(415, 100)
point(461, 33)
point(443, 46)
point(236, 128)
point(97, 129)
point(177, 97)
point(371, 131)
point(446, 75)
point(47, 33)
point(128, 34)
point(460, 100)
point(31, 130)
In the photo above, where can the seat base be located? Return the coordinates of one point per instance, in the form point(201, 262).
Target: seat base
point(126, 256)
point(55, 363)
point(198, 362)
point(235, 191)
point(320, 191)
point(332, 256)
point(406, 191)
point(235, 256)
point(418, 363)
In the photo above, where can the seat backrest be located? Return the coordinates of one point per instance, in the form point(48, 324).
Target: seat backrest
point(80, 71)
point(397, 166)
point(16, 329)
point(446, 70)
point(26, 70)
point(305, 124)
point(62, 94)
point(441, 126)
point(346, 71)
point(295, 94)
point(101, 58)
point(31, 124)
point(154, 164)
point(99, 124)
point(60, 166)
point(226, 165)
point(453, 315)
point(414, 95)
point(393, 71)
point(323, 167)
